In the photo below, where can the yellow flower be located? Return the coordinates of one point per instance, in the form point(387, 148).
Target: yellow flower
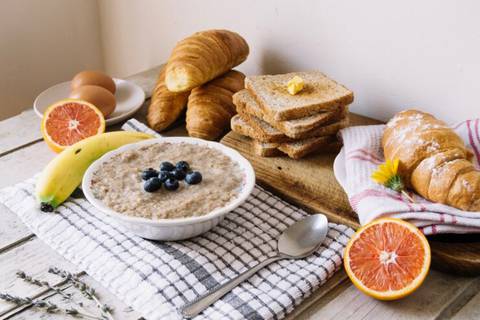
point(385, 171)
point(387, 175)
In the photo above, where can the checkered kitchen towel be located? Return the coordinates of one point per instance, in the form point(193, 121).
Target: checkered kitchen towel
point(361, 155)
point(156, 278)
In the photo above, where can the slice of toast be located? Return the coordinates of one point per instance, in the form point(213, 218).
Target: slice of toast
point(302, 148)
point(266, 132)
point(265, 149)
point(319, 94)
point(295, 149)
point(241, 124)
point(245, 103)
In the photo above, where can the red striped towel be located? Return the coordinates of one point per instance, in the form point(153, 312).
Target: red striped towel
point(360, 156)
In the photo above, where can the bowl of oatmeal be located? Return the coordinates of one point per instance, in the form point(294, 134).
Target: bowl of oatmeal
point(169, 188)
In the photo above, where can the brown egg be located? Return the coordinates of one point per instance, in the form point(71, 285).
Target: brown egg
point(100, 97)
point(94, 78)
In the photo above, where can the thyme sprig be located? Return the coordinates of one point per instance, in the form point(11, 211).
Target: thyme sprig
point(46, 306)
point(40, 283)
point(85, 289)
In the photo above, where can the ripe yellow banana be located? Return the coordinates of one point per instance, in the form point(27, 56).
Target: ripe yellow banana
point(64, 173)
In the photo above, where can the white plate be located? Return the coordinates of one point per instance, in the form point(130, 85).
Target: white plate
point(180, 228)
point(129, 96)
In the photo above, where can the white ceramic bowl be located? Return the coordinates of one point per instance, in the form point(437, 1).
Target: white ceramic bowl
point(180, 228)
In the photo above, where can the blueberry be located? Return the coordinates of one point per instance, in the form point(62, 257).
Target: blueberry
point(164, 175)
point(178, 174)
point(152, 184)
point(167, 166)
point(194, 177)
point(149, 173)
point(171, 184)
point(182, 166)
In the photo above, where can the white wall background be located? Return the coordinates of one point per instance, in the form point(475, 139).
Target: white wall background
point(44, 42)
point(392, 54)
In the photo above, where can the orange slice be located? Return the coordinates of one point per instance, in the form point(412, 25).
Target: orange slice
point(69, 121)
point(387, 259)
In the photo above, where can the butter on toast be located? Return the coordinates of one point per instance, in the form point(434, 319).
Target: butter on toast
point(320, 93)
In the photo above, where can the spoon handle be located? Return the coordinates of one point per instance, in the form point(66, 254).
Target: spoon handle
point(193, 308)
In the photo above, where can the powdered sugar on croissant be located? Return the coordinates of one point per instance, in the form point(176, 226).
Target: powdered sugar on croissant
point(433, 159)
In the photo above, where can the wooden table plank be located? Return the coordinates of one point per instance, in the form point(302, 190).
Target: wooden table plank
point(471, 309)
point(24, 163)
point(34, 257)
point(19, 131)
point(12, 231)
point(433, 298)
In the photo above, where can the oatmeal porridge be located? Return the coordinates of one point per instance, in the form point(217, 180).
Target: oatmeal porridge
point(212, 181)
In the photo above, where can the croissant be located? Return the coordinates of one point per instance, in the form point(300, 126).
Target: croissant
point(210, 106)
point(202, 57)
point(165, 106)
point(433, 159)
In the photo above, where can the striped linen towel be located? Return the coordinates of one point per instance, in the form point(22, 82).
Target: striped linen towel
point(361, 155)
point(155, 278)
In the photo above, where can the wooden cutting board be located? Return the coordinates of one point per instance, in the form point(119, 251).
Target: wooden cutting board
point(310, 184)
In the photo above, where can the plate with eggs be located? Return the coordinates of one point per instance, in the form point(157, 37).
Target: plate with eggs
point(117, 99)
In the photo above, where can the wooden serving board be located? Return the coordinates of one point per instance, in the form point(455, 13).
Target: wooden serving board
point(311, 184)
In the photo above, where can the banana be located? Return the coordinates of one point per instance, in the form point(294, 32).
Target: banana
point(65, 172)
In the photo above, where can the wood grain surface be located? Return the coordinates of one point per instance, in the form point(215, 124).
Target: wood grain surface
point(311, 184)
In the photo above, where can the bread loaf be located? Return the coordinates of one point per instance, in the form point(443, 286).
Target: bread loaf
point(433, 159)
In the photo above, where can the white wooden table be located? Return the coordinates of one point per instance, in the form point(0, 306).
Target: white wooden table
point(23, 153)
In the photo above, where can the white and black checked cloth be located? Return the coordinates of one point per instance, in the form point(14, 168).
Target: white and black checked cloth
point(155, 278)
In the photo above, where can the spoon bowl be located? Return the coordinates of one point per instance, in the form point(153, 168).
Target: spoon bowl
point(303, 237)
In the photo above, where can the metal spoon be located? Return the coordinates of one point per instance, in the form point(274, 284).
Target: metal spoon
point(298, 241)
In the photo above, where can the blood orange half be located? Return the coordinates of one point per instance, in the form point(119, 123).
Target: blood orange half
point(69, 121)
point(387, 259)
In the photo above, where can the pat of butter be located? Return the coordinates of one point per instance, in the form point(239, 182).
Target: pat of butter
point(295, 85)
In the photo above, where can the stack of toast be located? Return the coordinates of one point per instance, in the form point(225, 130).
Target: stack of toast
point(297, 125)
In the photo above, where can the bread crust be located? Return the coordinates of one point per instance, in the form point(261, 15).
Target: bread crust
point(295, 129)
point(210, 106)
point(294, 149)
point(165, 106)
point(202, 57)
point(433, 159)
point(320, 94)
